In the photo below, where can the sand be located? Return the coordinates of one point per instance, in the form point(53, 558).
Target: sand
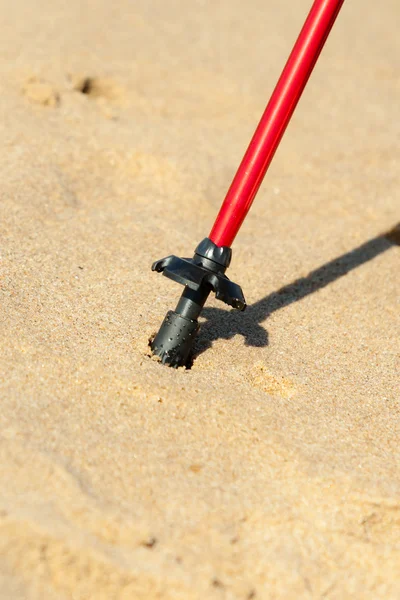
point(271, 468)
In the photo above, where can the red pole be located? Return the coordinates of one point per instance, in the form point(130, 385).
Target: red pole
point(274, 121)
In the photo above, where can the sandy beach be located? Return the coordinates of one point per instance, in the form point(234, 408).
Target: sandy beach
point(271, 468)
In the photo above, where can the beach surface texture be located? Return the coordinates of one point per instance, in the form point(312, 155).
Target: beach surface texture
point(271, 468)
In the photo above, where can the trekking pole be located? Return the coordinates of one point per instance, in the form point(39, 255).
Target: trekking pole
point(205, 272)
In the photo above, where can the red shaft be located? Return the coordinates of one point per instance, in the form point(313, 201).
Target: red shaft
point(274, 121)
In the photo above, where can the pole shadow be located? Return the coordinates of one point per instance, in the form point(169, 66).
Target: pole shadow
point(223, 324)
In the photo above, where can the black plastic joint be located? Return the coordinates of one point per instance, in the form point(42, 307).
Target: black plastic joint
point(222, 255)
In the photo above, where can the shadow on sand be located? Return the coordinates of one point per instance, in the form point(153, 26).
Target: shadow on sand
point(222, 324)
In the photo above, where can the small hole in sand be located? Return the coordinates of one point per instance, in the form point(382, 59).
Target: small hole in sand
point(150, 543)
point(97, 87)
point(87, 86)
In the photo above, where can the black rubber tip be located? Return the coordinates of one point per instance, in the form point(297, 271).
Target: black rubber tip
point(174, 341)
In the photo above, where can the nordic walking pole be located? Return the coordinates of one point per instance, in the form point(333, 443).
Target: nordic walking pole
point(205, 272)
